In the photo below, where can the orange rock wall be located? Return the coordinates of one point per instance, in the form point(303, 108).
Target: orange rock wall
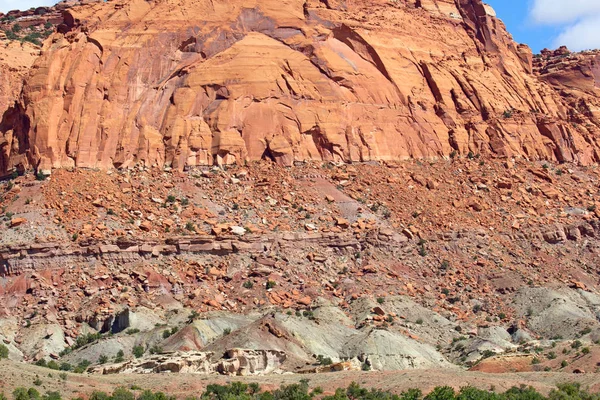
point(197, 82)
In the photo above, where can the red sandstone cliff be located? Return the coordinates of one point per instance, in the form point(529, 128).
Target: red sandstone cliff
point(196, 82)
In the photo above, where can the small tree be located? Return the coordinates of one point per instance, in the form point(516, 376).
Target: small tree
point(52, 396)
point(138, 351)
point(441, 393)
point(120, 356)
point(122, 394)
point(3, 351)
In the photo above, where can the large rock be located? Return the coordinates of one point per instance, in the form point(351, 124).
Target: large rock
point(185, 83)
point(236, 362)
point(15, 60)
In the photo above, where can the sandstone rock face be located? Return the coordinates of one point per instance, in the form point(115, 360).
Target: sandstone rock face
point(576, 77)
point(15, 61)
point(193, 82)
point(237, 362)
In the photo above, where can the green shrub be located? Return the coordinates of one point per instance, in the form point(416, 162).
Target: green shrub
point(3, 351)
point(122, 394)
point(52, 396)
point(120, 356)
point(96, 395)
point(585, 331)
point(148, 395)
point(65, 366)
point(138, 351)
point(81, 341)
point(522, 393)
point(387, 214)
point(488, 354)
point(322, 360)
point(32, 38)
point(10, 35)
point(82, 367)
point(21, 393)
point(308, 314)
point(193, 316)
point(53, 365)
point(441, 393)
point(422, 250)
point(300, 391)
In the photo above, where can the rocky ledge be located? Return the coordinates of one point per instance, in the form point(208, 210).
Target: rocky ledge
point(234, 362)
point(16, 259)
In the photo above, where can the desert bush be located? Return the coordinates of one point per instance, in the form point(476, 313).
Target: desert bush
point(138, 351)
point(3, 351)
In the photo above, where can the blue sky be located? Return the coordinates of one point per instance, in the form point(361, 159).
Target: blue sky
point(8, 5)
point(516, 16)
point(551, 23)
point(538, 23)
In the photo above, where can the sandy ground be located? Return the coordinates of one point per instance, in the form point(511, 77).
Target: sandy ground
point(181, 385)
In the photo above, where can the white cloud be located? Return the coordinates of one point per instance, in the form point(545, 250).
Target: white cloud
point(8, 5)
point(563, 11)
point(578, 20)
point(584, 34)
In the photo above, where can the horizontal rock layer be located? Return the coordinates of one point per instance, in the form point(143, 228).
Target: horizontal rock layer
point(17, 259)
point(237, 362)
point(197, 82)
